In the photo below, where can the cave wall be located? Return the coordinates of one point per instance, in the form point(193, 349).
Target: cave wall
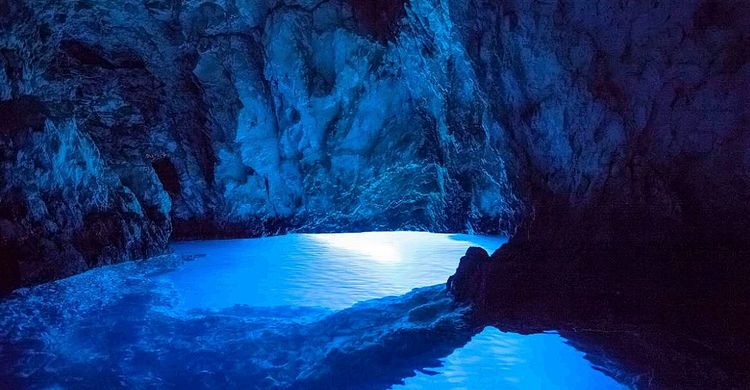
point(627, 127)
point(627, 122)
point(129, 122)
point(192, 119)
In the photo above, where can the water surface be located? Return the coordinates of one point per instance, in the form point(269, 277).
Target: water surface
point(499, 360)
point(303, 311)
point(324, 270)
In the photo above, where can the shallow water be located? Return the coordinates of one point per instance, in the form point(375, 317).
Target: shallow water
point(279, 312)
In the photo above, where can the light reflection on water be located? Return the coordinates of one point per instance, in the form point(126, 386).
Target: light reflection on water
point(327, 270)
point(498, 360)
point(337, 270)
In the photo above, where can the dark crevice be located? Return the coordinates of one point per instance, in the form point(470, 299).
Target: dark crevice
point(381, 18)
point(21, 114)
point(92, 55)
point(168, 176)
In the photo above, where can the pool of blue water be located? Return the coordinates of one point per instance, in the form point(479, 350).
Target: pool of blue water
point(295, 311)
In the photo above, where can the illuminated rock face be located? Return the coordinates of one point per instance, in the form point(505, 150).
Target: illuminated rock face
point(337, 125)
point(238, 118)
point(245, 117)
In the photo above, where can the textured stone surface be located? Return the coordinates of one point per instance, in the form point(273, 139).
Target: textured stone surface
point(568, 119)
point(627, 128)
point(63, 210)
point(627, 131)
point(630, 118)
point(250, 117)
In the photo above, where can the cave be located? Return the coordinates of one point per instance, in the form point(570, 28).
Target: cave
point(351, 194)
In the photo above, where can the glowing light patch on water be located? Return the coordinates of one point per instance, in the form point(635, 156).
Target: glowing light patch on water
point(322, 270)
point(380, 247)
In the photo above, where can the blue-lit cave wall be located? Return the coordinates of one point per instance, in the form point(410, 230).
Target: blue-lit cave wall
point(627, 122)
point(236, 118)
point(129, 122)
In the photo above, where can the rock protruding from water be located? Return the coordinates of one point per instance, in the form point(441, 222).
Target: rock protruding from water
point(466, 283)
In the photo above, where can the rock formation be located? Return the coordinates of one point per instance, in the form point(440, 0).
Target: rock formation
point(235, 118)
point(626, 128)
point(595, 122)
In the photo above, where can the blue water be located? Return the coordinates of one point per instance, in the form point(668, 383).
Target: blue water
point(296, 311)
point(333, 271)
point(497, 360)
